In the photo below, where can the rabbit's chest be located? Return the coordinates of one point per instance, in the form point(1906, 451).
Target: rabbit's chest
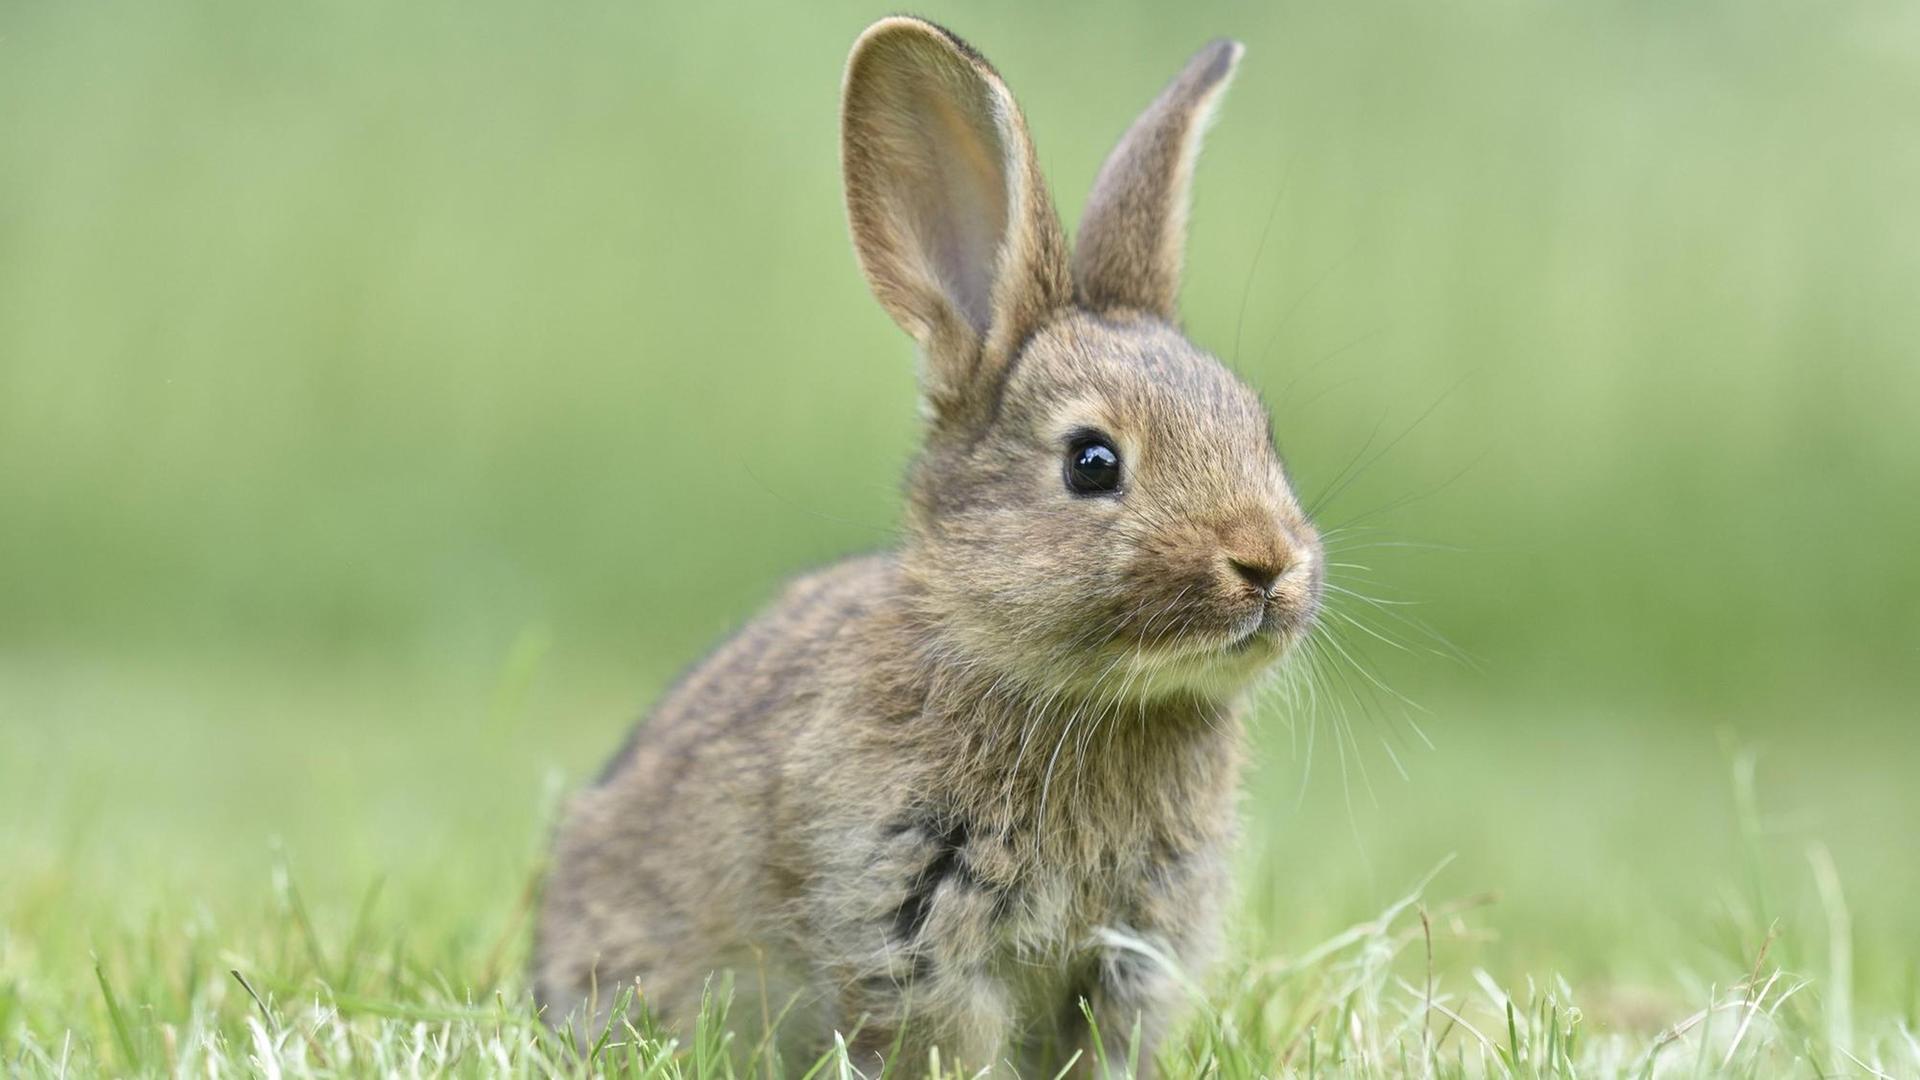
point(991, 898)
point(1061, 922)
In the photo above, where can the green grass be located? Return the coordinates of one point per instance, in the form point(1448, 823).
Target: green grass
point(360, 849)
point(1366, 1002)
point(392, 398)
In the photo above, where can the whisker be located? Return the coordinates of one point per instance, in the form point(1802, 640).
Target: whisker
point(1325, 276)
point(1328, 496)
point(1253, 268)
point(1408, 500)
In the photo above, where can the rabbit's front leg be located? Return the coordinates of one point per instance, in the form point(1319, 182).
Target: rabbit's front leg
point(962, 1015)
point(1130, 1002)
point(930, 983)
point(1146, 967)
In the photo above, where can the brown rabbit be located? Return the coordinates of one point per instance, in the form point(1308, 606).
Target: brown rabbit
point(939, 796)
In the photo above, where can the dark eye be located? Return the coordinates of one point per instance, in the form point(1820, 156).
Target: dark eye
point(1093, 466)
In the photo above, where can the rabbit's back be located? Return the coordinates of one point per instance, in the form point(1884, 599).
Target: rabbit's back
point(670, 861)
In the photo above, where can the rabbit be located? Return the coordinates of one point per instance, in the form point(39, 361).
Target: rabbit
point(959, 796)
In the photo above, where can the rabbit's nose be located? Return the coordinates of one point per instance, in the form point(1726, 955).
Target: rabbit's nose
point(1257, 550)
point(1260, 572)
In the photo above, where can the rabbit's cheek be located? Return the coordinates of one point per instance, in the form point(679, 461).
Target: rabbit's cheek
point(1169, 595)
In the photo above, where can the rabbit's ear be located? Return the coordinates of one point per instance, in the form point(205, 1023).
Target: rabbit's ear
point(950, 216)
point(1133, 233)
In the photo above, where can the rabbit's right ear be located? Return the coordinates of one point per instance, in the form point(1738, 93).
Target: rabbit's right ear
point(950, 216)
point(1133, 232)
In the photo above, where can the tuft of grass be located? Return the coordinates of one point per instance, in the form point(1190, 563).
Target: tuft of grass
point(123, 1036)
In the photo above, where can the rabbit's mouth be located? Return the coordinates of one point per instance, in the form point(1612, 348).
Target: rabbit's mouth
point(1214, 643)
point(1244, 640)
point(1245, 637)
point(1264, 635)
point(1275, 622)
point(1254, 640)
point(1218, 662)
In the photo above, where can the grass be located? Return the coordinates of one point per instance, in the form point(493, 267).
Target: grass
point(393, 397)
point(354, 901)
point(284, 1001)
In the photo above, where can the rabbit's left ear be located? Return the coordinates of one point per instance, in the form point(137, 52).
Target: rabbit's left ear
point(950, 216)
point(1133, 233)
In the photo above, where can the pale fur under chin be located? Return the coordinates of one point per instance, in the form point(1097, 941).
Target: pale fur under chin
point(942, 796)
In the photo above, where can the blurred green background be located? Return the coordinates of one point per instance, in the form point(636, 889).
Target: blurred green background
point(393, 396)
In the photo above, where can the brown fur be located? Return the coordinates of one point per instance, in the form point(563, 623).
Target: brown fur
point(938, 796)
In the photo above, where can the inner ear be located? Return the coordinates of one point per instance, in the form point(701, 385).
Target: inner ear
point(961, 191)
point(949, 215)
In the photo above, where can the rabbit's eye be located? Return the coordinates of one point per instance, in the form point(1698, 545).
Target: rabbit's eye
point(1093, 466)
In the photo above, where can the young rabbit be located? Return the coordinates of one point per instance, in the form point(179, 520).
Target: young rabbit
point(940, 796)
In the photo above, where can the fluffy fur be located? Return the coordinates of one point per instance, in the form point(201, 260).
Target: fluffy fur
point(928, 797)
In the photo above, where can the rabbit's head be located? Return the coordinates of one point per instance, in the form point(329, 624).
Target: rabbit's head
point(1099, 505)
